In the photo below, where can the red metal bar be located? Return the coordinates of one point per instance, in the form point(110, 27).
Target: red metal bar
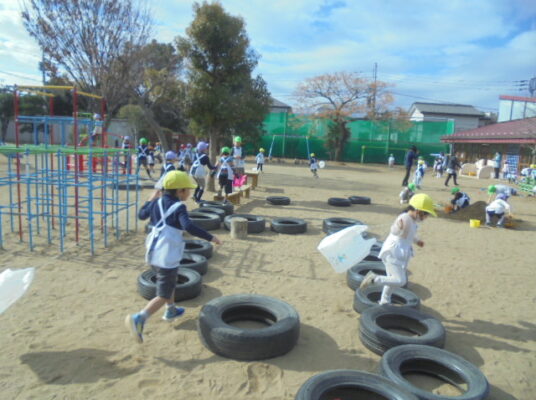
point(76, 166)
point(17, 142)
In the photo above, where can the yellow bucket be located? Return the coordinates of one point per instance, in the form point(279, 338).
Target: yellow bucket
point(474, 223)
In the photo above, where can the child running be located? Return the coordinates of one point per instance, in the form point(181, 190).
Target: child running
point(198, 171)
point(165, 246)
point(260, 159)
point(170, 157)
point(143, 154)
point(313, 165)
point(397, 248)
point(460, 199)
point(419, 174)
point(407, 193)
point(225, 172)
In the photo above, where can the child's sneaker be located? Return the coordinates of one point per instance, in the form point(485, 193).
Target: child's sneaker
point(367, 280)
point(172, 313)
point(135, 323)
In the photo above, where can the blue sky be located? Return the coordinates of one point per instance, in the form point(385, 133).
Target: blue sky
point(459, 51)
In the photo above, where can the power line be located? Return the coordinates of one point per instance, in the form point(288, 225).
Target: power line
point(439, 101)
point(19, 76)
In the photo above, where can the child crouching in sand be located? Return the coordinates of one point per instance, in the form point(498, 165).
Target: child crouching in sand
point(165, 246)
point(397, 248)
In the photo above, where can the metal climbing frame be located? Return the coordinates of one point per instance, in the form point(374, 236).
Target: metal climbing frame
point(50, 201)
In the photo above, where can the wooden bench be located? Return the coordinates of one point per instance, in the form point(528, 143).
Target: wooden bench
point(232, 197)
point(254, 178)
point(244, 190)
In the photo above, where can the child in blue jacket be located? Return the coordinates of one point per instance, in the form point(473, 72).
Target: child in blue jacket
point(165, 246)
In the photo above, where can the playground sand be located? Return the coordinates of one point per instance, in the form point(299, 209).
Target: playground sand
point(65, 338)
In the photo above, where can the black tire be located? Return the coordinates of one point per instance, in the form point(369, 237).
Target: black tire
point(188, 284)
point(227, 206)
point(332, 225)
point(350, 384)
point(256, 224)
point(445, 365)
point(289, 225)
point(370, 297)
point(339, 202)
point(278, 338)
point(220, 212)
point(372, 257)
point(194, 261)
point(359, 200)
point(376, 248)
point(355, 275)
point(208, 222)
point(278, 200)
point(148, 228)
point(201, 247)
point(375, 323)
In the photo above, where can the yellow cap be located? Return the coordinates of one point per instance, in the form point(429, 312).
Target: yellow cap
point(178, 180)
point(423, 202)
point(261, 150)
point(312, 154)
point(421, 162)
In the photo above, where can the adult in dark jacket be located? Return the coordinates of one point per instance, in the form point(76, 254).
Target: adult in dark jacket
point(409, 160)
point(452, 168)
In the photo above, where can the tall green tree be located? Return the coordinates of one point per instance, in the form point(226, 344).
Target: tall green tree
point(160, 93)
point(223, 96)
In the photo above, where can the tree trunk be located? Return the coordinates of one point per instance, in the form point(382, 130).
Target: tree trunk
point(214, 150)
point(149, 116)
point(5, 124)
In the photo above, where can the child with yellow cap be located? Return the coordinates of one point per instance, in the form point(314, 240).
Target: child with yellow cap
point(165, 246)
point(397, 248)
point(260, 159)
point(238, 156)
point(419, 173)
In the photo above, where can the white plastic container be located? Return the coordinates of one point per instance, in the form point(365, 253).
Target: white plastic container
point(346, 248)
point(13, 284)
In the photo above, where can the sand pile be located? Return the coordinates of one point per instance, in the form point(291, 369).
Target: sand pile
point(476, 210)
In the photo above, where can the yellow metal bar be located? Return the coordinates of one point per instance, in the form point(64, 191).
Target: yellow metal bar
point(46, 87)
point(88, 94)
point(42, 93)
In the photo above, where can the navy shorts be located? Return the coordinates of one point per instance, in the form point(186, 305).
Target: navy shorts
point(226, 184)
point(166, 280)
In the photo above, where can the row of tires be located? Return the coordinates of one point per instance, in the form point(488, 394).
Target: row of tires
point(391, 383)
point(408, 340)
point(332, 201)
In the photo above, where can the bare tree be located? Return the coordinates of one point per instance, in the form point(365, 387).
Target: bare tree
point(336, 97)
point(95, 42)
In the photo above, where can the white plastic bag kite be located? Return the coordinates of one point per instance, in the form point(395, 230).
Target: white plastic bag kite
point(346, 248)
point(13, 284)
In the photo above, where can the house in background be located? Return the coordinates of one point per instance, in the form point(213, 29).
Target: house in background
point(464, 116)
point(515, 139)
point(279, 107)
point(515, 107)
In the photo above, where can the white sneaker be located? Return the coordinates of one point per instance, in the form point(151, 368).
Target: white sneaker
point(367, 280)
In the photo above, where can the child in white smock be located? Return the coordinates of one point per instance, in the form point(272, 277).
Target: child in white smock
point(397, 248)
point(391, 161)
point(260, 160)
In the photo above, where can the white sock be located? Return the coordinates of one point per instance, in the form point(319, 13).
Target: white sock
point(172, 305)
point(144, 314)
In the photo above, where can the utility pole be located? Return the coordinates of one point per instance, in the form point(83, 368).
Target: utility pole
point(42, 68)
point(375, 77)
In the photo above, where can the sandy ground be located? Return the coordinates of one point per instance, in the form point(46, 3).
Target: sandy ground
point(65, 339)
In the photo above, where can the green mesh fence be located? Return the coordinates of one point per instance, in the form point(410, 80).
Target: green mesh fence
point(370, 141)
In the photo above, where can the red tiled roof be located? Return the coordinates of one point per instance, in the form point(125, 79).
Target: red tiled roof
point(518, 98)
point(517, 131)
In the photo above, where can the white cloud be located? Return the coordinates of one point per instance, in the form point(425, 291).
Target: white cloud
point(441, 50)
